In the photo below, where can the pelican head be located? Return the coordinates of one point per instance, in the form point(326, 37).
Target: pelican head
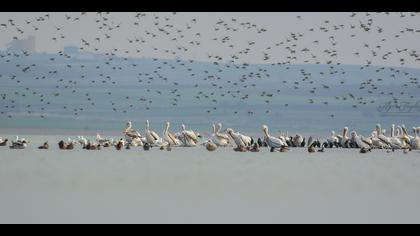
point(265, 129)
point(333, 133)
point(129, 124)
point(147, 124)
point(183, 127)
point(229, 131)
point(353, 134)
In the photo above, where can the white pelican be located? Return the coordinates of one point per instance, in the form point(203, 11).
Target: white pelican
point(377, 143)
point(344, 139)
point(381, 136)
point(239, 139)
point(359, 140)
point(297, 140)
point(151, 136)
point(333, 138)
point(219, 133)
point(131, 133)
point(169, 137)
point(219, 139)
point(272, 141)
point(188, 137)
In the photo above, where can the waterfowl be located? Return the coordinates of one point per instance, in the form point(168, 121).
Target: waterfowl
point(239, 139)
point(146, 147)
point(151, 136)
point(210, 146)
point(358, 140)
point(221, 140)
point(132, 136)
point(169, 137)
point(255, 148)
point(188, 137)
point(272, 141)
point(365, 150)
point(240, 149)
point(19, 144)
point(45, 146)
point(333, 140)
point(66, 146)
point(311, 148)
point(120, 144)
point(297, 140)
point(3, 143)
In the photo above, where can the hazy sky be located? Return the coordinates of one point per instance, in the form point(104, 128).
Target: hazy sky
point(279, 27)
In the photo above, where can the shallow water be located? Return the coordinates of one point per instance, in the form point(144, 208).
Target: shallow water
point(191, 185)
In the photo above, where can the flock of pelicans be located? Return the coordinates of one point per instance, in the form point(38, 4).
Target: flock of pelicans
point(398, 139)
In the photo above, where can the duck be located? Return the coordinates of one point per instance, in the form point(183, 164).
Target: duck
point(210, 146)
point(365, 150)
point(19, 144)
point(273, 142)
point(120, 144)
point(255, 148)
point(311, 148)
point(147, 147)
point(45, 146)
point(66, 146)
point(3, 143)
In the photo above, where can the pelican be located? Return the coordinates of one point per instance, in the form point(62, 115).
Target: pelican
point(359, 141)
point(297, 140)
point(273, 142)
point(239, 139)
point(188, 137)
point(415, 142)
point(398, 139)
point(333, 140)
point(132, 136)
point(219, 139)
point(381, 136)
point(344, 140)
point(169, 137)
point(377, 143)
point(151, 136)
